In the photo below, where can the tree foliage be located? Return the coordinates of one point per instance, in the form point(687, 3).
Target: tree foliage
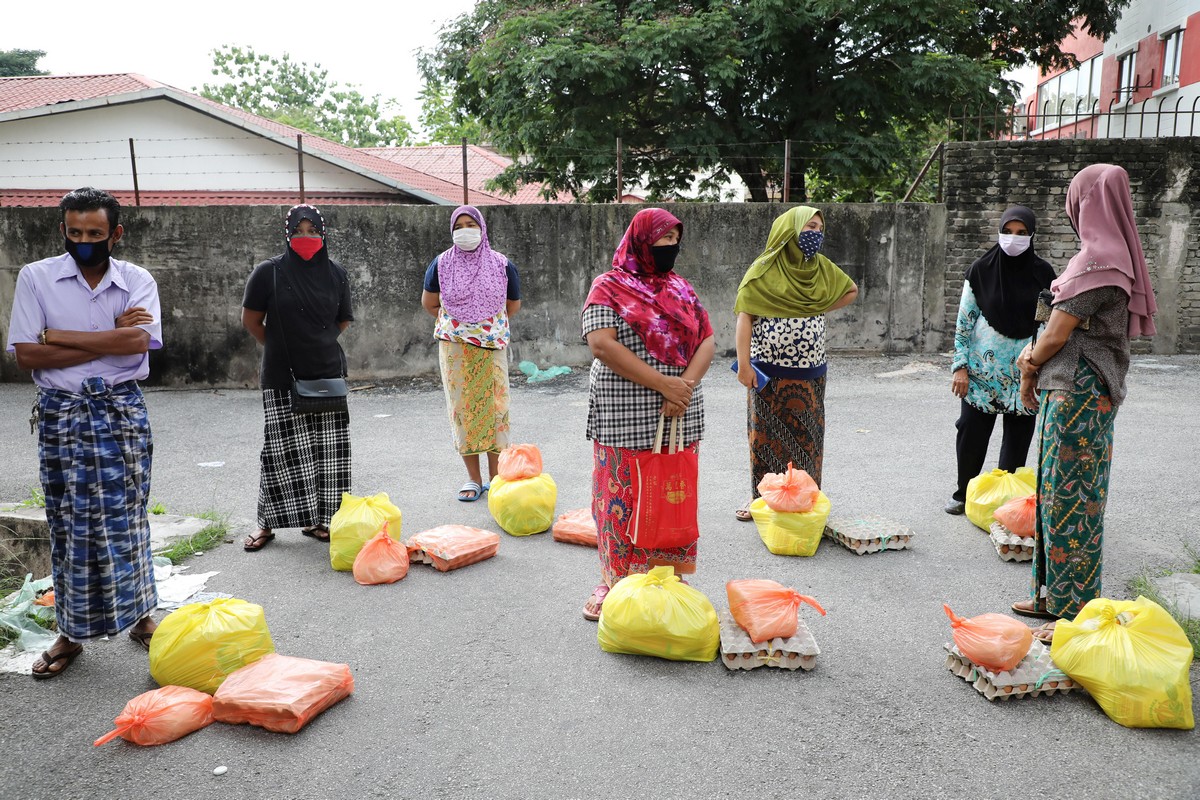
point(441, 122)
point(18, 63)
point(716, 86)
point(303, 96)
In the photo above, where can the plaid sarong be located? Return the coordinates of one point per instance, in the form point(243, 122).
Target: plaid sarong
point(305, 464)
point(95, 450)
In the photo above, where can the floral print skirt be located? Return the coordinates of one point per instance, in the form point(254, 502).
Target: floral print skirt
point(476, 383)
point(612, 508)
point(1074, 457)
point(786, 424)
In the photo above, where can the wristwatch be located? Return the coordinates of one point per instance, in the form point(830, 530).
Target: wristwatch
point(42, 336)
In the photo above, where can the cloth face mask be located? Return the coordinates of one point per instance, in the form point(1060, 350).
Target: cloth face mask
point(810, 242)
point(1014, 245)
point(88, 254)
point(467, 238)
point(306, 246)
point(664, 258)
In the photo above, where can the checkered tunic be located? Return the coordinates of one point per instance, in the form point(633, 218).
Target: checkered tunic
point(305, 464)
point(622, 413)
point(95, 449)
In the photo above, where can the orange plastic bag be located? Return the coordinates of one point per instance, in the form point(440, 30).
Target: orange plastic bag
point(992, 641)
point(281, 693)
point(576, 527)
point(381, 560)
point(766, 609)
point(453, 546)
point(793, 490)
point(520, 461)
point(1018, 515)
point(161, 716)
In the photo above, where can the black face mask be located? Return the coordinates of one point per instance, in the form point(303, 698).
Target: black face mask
point(88, 254)
point(664, 258)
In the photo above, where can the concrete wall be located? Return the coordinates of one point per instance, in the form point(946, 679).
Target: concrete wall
point(982, 178)
point(201, 257)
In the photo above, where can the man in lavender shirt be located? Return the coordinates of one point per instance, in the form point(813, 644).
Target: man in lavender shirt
point(84, 323)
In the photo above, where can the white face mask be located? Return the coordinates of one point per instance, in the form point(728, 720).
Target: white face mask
point(1014, 245)
point(468, 238)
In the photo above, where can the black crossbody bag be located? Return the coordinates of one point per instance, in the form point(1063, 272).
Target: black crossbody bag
point(314, 395)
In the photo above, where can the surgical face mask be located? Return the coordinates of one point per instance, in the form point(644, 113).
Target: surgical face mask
point(810, 242)
point(1013, 244)
point(467, 238)
point(664, 257)
point(88, 254)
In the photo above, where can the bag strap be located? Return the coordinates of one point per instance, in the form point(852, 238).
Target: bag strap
point(676, 443)
point(658, 436)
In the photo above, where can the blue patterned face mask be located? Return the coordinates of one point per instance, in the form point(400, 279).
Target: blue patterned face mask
point(810, 242)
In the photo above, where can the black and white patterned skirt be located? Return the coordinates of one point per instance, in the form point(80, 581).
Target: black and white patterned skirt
point(305, 464)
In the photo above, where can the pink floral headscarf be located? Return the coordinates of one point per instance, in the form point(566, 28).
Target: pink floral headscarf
point(474, 283)
point(1110, 254)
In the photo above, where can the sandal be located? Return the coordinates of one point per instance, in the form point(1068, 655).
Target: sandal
point(318, 532)
point(142, 637)
point(261, 538)
point(591, 609)
point(743, 514)
point(1045, 633)
point(65, 656)
point(470, 492)
point(1028, 608)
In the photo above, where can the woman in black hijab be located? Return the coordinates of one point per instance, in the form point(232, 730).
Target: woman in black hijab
point(995, 322)
point(296, 305)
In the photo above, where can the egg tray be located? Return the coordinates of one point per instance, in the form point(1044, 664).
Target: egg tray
point(869, 533)
point(1009, 546)
point(1035, 676)
point(738, 652)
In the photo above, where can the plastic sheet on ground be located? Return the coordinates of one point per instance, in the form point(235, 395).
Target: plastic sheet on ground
point(536, 375)
point(18, 613)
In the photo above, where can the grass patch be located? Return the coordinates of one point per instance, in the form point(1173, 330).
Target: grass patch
point(36, 499)
point(1141, 585)
point(204, 539)
point(157, 508)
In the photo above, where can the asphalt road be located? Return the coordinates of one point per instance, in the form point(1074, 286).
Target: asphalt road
point(487, 682)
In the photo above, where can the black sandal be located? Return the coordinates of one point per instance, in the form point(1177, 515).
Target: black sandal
point(261, 538)
point(318, 532)
point(66, 656)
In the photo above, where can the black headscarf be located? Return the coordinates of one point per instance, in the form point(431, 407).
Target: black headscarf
point(295, 215)
point(1006, 287)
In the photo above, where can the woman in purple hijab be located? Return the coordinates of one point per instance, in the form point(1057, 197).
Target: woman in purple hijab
point(472, 291)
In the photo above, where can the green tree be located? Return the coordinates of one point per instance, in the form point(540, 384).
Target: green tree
point(441, 122)
point(303, 96)
point(18, 63)
point(716, 86)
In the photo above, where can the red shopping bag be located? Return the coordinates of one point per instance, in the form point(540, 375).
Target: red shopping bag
point(664, 499)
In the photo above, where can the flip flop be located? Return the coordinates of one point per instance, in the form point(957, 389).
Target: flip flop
point(66, 656)
point(743, 514)
point(1045, 633)
point(142, 638)
point(473, 491)
point(318, 532)
point(598, 595)
point(1031, 610)
point(261, 538)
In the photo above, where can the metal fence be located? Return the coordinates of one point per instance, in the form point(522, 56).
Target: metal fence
point(1083, 119)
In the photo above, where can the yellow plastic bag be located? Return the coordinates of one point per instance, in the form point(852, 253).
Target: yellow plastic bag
point(1133, 658)
point(201, 643)
point(989, 491)
point(525, 506)
point(357, 520)
point(791, 533)
point(657, 615)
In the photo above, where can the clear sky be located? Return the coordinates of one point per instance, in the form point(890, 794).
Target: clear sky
point(369, 44)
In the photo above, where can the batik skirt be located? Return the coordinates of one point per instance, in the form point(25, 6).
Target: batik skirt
point(1074, 456)
point(95, 451)
point(476, 383)
point(786, 424)
point(613, 507)
point(305, 464)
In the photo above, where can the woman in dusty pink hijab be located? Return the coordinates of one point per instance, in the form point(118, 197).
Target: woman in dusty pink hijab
point(1076, 369)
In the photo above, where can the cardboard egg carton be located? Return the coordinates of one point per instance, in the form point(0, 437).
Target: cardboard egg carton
point(869, 533)
point(1035, 676)
point(738, 652)
point(1009, 546)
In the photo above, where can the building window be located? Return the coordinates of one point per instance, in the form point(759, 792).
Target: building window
point(1069, 97)
point(1172, 47)
point(1126, 76)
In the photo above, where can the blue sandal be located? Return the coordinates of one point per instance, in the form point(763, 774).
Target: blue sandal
point(470, 492)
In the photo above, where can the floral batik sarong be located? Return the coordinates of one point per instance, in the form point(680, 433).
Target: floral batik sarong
point(613, 507)
point(786, 424)
point(95, 450)
point(1074, 455)
point(476, 383)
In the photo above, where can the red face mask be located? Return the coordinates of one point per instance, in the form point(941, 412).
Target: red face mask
point(306, 246)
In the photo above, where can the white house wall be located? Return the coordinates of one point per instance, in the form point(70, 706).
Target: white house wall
point(178, 149)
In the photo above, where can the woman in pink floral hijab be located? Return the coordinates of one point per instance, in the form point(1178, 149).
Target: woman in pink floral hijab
point(1076, 370)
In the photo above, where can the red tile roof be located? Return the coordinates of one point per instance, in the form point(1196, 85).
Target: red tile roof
point(34, 91)
point(41, 198)
point(445, 162)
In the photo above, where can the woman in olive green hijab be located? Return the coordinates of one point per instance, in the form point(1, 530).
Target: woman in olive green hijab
point(781, 305)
